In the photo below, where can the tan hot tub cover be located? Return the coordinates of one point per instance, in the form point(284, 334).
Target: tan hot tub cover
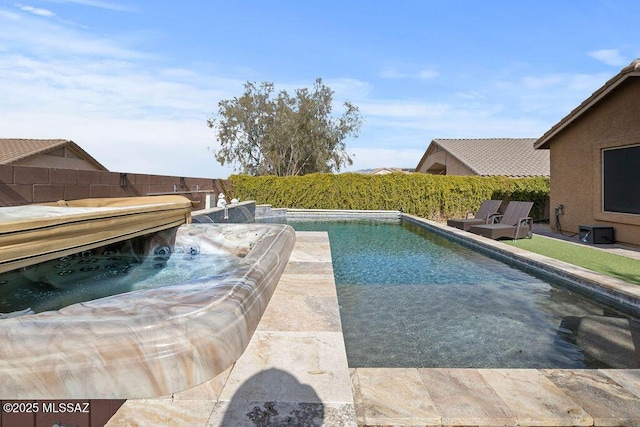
point(32, 234)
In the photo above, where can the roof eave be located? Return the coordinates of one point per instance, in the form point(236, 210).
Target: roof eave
point(631, 70)
point(88, 157)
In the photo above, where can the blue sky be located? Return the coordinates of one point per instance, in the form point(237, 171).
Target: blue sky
point(133, 82)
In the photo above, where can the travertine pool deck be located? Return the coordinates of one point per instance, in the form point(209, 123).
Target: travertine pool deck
point(295, 372)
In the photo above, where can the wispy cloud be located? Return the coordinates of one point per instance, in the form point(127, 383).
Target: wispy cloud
point(393, 73)
point(543, 82)
point(427, 74)
point(611, 57)
point(113, 88)
point(97, 4)
point(349, 89)
point(404, 109)
point(35, 10)
point(30, 35)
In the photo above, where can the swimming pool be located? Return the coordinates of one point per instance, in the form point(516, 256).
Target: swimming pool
point(411, 298)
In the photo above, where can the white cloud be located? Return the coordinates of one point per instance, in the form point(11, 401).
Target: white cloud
point(542, 82)
point(403, 109)
point(9, 16)
point(428, 74)
point(610, 57)
point(545, 96)
point(471, 95)
point(391, 73)
point(36, 11)
point(27, 34)
point(587, 83)
point(97, 4)
point(349, 89)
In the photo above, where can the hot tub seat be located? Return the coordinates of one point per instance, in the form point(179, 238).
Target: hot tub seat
point(150, 342)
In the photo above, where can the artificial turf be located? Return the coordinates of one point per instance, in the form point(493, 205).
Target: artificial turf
point(623, 268)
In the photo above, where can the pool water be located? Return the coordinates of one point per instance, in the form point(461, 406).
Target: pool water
point(115, 269)
point(410, 298)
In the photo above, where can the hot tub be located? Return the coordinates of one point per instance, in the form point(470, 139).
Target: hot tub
point(151, 341)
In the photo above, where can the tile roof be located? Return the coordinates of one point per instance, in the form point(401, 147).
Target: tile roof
point(14, 149)
point(632, 69)
point(515, 157)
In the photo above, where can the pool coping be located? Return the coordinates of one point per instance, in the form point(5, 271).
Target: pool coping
point(609, 290)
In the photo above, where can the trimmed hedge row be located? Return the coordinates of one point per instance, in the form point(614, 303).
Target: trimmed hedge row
point(435, 197)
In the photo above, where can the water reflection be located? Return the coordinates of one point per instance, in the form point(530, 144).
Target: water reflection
point(606, 342)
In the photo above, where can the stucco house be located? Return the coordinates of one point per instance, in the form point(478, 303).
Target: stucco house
point(513, 157)
point(595, 159)
point(46, 153)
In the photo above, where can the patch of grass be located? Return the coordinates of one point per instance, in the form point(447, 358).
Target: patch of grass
point(613, 265)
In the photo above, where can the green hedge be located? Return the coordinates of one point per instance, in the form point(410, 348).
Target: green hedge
point(436, 197)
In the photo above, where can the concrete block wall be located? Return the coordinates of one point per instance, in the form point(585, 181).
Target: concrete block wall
point(22, 185)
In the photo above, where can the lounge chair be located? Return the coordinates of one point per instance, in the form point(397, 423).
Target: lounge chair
point(515, 223)
point(487, 211)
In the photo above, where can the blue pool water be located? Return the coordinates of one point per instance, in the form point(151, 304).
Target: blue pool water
point(410, 298)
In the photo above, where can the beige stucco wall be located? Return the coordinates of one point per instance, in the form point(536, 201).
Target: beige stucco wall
point(576, 161)
point(453, 165)
point(48, 161)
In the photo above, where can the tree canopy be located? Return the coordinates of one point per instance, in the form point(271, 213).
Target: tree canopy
point(263, 134)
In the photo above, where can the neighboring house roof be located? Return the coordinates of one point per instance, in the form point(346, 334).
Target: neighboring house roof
point(13, 150)
point(630, 70)
point(382, 171)
point(514, 157)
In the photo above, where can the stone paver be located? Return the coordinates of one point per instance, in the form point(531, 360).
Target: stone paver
point(463, 398)
point(162, 412)
point(608, 402)
point(627, 378)
point(534, 399)
point(395, 396)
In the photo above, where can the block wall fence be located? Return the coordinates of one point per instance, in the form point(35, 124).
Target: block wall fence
point(22, 185)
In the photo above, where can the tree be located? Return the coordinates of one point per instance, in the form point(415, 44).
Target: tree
point(285, 135)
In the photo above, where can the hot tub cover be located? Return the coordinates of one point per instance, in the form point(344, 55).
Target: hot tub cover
point(31, 234)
